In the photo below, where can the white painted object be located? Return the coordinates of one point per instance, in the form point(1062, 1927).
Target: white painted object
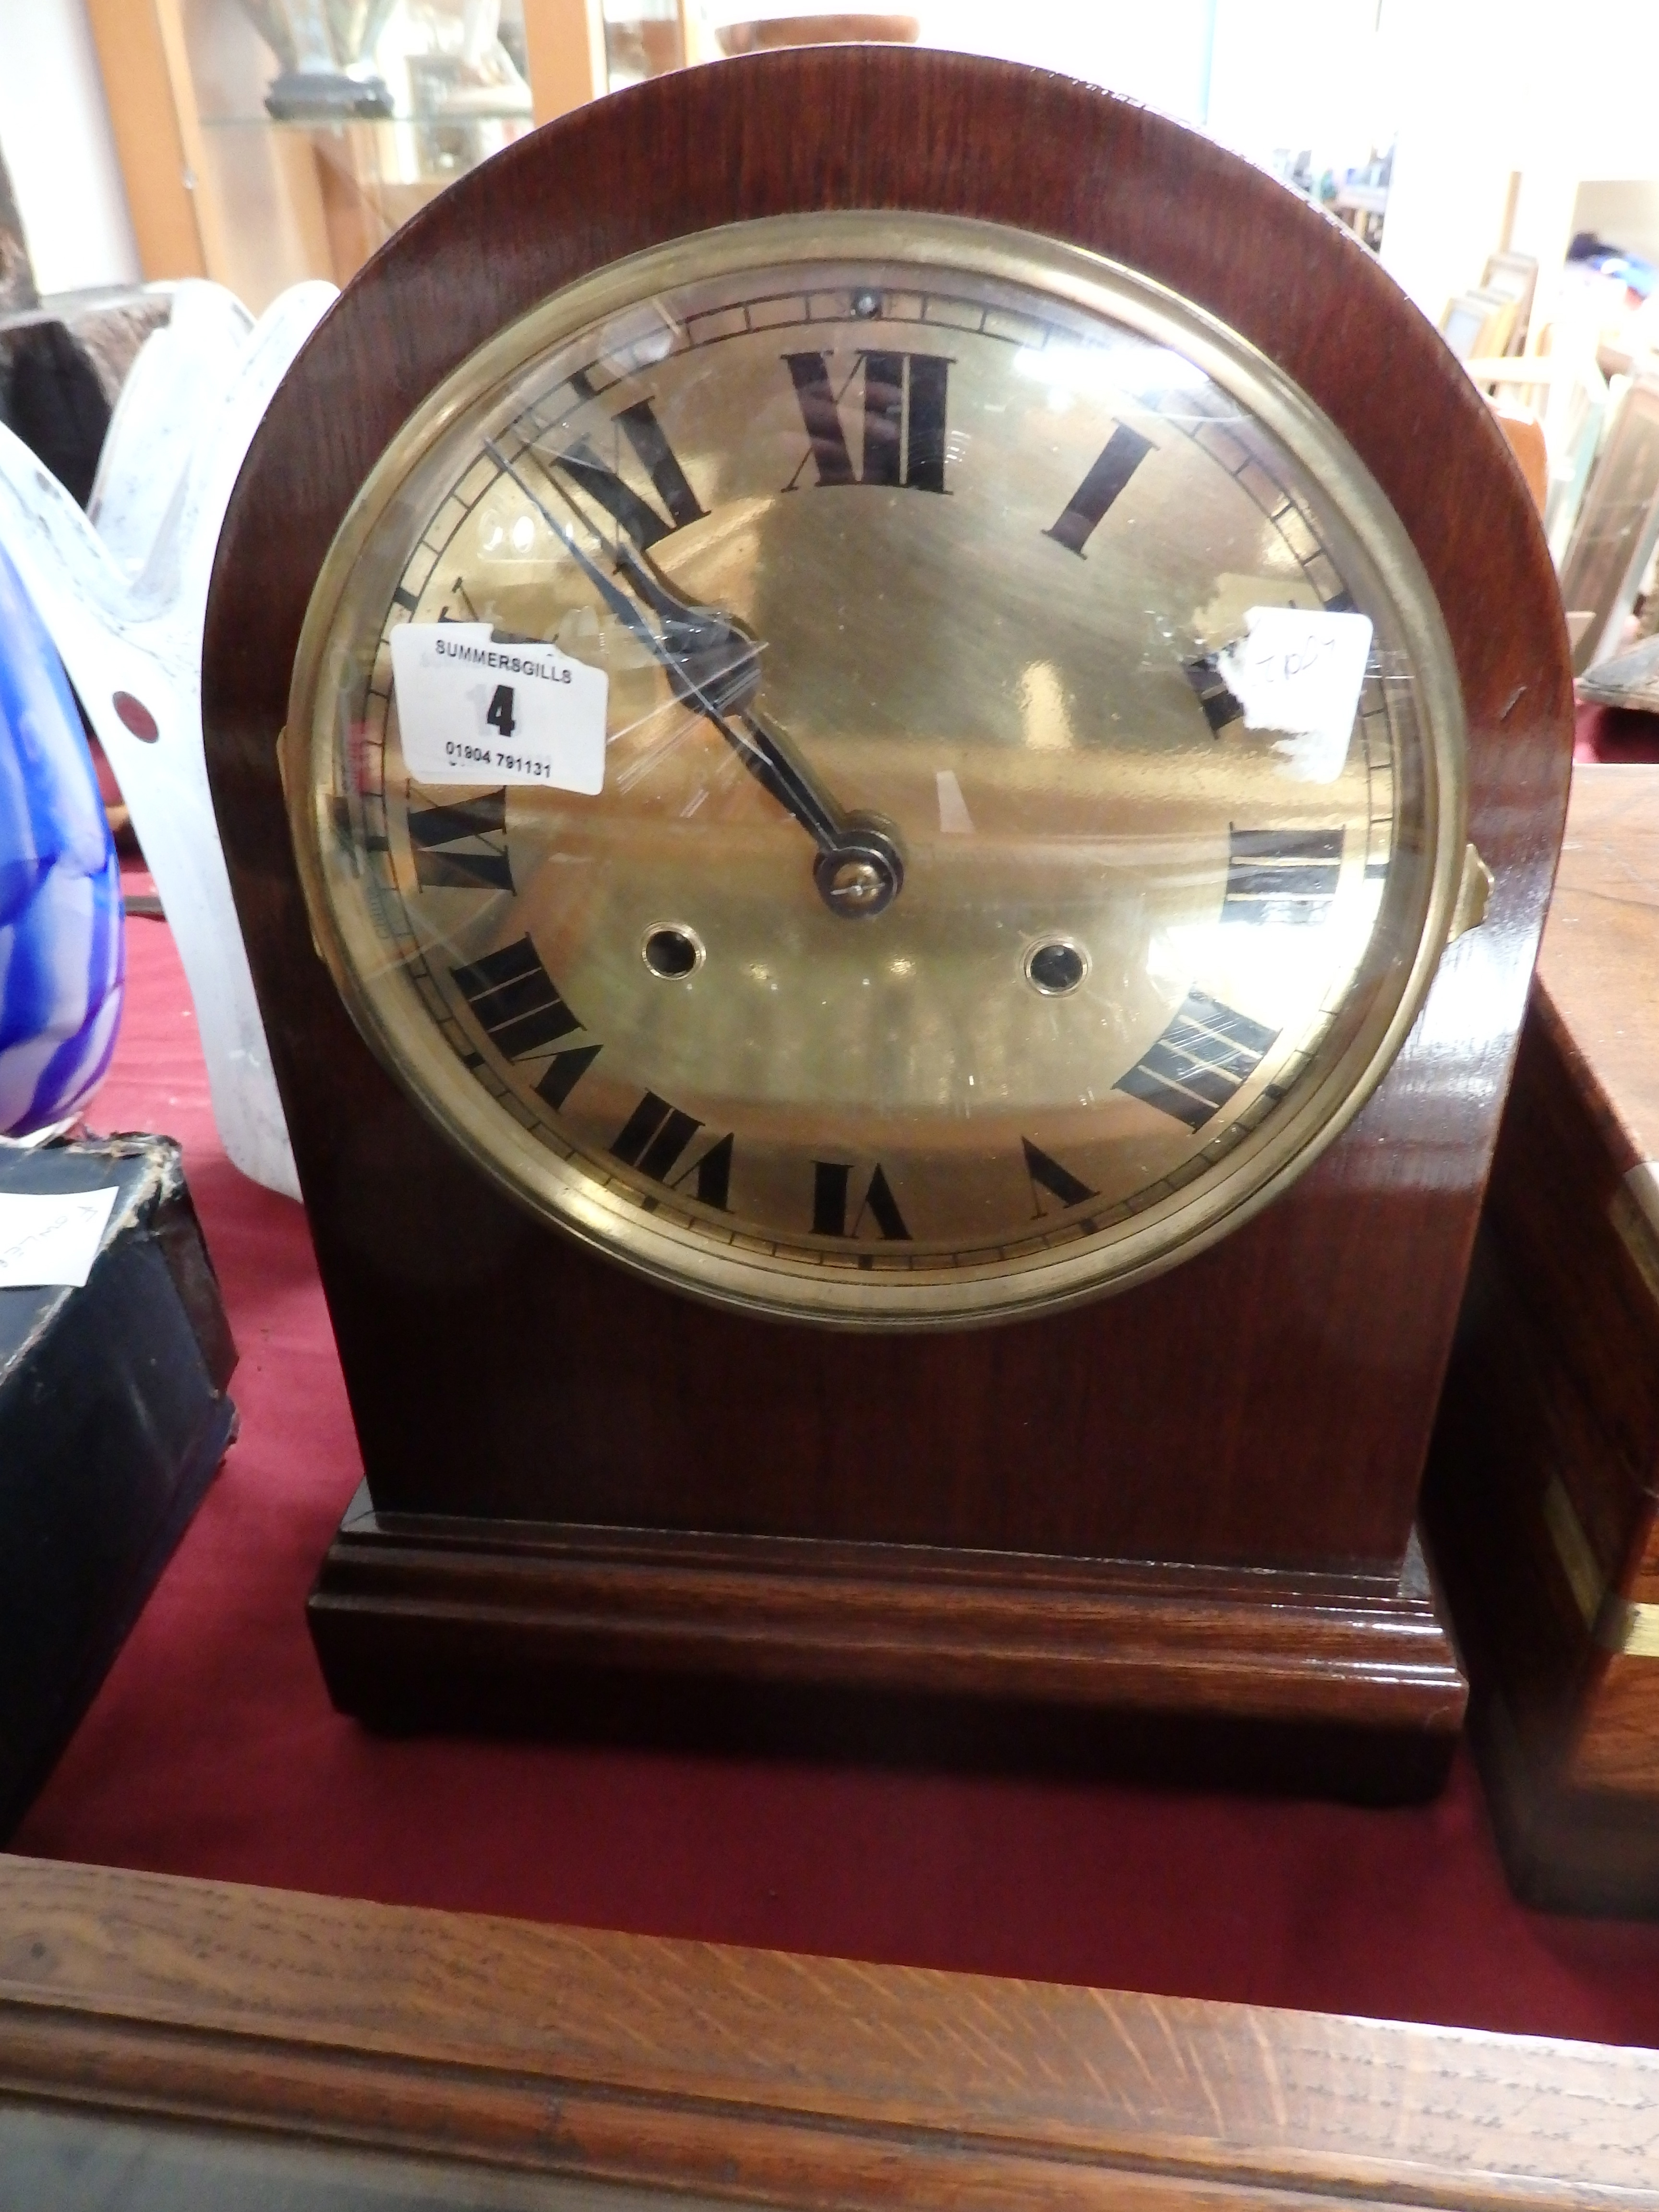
point(123, 592)
point(180, 371)
point(1300, 671)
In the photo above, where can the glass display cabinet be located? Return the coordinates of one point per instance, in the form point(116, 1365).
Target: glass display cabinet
point(647, 38)
point(262, 142)
point(266, 141)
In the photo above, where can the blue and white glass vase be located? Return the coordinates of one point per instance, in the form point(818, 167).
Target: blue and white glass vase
point(62, 955)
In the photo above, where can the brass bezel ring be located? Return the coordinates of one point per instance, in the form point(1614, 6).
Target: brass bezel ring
point(742, 1271)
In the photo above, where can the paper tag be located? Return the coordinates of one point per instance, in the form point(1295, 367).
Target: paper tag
point(474, 711)
point(1300, 671)
point(49, 1239)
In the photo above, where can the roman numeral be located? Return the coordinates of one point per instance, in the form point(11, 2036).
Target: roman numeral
point(515, 1002)
point(635, 516)
point(1200, 1061)
point(405, 598)
point(831, 1194)
point(1116, 462)
point(653, 1139)
point(564, 1071)
point(1045, 1174)
point(1281, 875)
point(904, 404)
point(460, 845)
point(1220, 706)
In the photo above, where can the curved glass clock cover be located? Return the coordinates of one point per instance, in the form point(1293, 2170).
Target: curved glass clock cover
point(878, 769)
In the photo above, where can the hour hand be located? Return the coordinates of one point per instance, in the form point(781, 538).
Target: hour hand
point(713, 665)
point(711, 657)
point(713, 661)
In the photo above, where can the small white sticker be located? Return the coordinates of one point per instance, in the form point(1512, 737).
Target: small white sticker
point(472, 710)
point(1299, 671)
point(49, 1239)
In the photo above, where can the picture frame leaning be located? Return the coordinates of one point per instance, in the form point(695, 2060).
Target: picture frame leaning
point(1612, 540)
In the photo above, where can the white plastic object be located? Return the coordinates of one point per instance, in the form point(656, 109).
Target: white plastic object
point(125, 602)
point(181, 370)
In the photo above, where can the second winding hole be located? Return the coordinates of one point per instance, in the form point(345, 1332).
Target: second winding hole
point(672, 951)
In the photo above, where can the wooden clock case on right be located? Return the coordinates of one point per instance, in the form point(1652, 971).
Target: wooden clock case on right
point(1190, 1507)
point(1543, 1486)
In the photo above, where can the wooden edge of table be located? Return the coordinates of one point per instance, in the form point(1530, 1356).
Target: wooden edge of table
point(764, 2074)
point(1603, 929)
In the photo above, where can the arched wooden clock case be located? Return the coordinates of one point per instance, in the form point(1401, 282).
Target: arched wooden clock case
point(1182, 1515)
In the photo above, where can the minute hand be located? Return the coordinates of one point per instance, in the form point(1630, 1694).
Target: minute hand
point(708, 638)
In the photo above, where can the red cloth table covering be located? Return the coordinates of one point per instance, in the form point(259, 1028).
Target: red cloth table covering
point(1615, 734)
point(213, 1750)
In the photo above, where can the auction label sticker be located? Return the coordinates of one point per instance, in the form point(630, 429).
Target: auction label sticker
point(472, 710)
point(1300, 671)
point(49, 1239)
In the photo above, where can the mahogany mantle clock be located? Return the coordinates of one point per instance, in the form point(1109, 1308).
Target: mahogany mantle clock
point(900, 686)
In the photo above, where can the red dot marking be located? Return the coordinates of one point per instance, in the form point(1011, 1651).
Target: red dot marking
point(136, 716)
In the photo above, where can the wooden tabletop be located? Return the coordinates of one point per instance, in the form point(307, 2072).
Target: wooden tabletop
point(759, 2074)
point(1598, 973)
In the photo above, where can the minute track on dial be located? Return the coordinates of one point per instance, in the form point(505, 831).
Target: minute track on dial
point(715, 667)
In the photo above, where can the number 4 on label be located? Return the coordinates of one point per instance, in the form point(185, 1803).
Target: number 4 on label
point(499, 715)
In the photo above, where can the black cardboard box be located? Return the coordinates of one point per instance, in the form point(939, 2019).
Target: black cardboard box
point(113, 1417)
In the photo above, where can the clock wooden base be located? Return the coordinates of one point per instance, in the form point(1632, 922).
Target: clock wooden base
point(428, 1619)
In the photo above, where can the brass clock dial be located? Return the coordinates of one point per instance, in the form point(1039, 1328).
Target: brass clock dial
point(952, 924)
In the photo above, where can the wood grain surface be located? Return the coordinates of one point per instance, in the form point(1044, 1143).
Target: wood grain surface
point(755, 2075)
point(1545, 1467)
point(435, 1617)
point(1600, 955)
point(1267, 1404)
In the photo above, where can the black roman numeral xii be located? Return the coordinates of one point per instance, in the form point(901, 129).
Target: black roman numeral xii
point(903, 418)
